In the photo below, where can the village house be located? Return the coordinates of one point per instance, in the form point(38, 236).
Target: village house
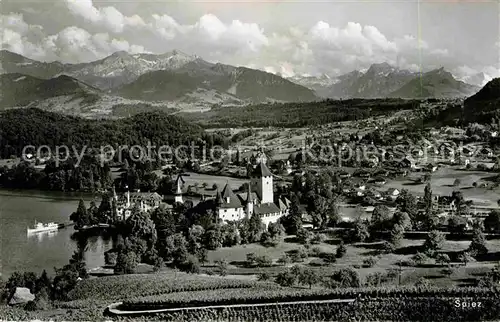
point(486, 152)
point(407, 162)
point(392, 193)
point(431, 167)
point(467, 151)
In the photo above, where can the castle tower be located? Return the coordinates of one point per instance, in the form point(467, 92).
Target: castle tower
point(249, 205)
point(262, 183)
point(179, 182)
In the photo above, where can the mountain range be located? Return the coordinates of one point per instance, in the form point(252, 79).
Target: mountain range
point(176, 80)
point(383, 80)
point(172, 77)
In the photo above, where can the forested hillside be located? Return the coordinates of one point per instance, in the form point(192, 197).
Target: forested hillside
point(299, 114)
point(22, 127)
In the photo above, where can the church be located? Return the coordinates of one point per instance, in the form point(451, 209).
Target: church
point(259, 199)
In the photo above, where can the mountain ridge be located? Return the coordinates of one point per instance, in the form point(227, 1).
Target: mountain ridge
point(123, 73)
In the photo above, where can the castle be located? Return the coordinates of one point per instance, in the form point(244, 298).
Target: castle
point(259, 199)
point(126, 203)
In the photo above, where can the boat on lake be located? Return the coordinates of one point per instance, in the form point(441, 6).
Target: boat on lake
point(41, 227)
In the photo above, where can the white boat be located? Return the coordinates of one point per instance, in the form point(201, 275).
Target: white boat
point(40, 227)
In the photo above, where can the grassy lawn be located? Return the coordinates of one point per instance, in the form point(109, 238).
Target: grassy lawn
point(442, 184)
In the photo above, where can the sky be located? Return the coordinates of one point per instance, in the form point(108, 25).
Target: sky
point(288, 37)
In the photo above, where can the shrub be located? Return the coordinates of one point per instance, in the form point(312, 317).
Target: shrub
point(374, 279)
point(344, 277)
point(318, 238)
point(315, 251)
point(442, 259)
point(286, 278)
point(191, 265)
point(264, 276)
point(420, 258)
point(221, 267)
point(329, 258)
point(284, 259)
point(263, 261)
point(110, 258)
point(341, 250)
point(370, 261)
point(126, 262)
point(422, 283)
point(298, 255)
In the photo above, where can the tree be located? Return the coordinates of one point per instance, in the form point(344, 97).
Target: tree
point(164, 222)
point(370, 261)
point(286, 278)
point(307, 276)
point(397, 234)
point(402, 219)
point(221, 267)
point(304, 236)
point(318, 238)
point(276, 231)
point(298, 255)
point(80, 217)
point(442, 259)
point(190, 265)
point(284, 259)
point(466, 258)
point(492, 222)
point(433, 242)
point(344, 277)
point(139, 227)
point(263, 276)
point(407, 203)
point(457, 224)
point(477, 246)
point(457, 182)
point(251, 229)
point(428, 202)
point(104, 212)
point(380, 219)
point(341, 250)
point(360, 233)
point(263, 261)
point(293, 222)
point(126, 262)
point(420, 258)
point(230, 235)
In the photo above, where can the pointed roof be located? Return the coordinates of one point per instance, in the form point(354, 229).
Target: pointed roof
point(249, 194)
point(261, 170)
point(178, 184)
point(229, 199)
point(218, 197)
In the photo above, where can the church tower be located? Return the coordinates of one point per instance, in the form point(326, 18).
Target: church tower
point(249, 205)
point(262, 183)
point(179, 182)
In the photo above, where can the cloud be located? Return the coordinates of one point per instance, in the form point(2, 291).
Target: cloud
point(108, 17)
point(70, 45)
point(314, 49)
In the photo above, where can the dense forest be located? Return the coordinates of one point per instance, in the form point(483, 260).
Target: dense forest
point(22, 127)
point(299, 114)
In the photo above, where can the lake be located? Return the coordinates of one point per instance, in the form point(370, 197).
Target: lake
point(20, 252)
